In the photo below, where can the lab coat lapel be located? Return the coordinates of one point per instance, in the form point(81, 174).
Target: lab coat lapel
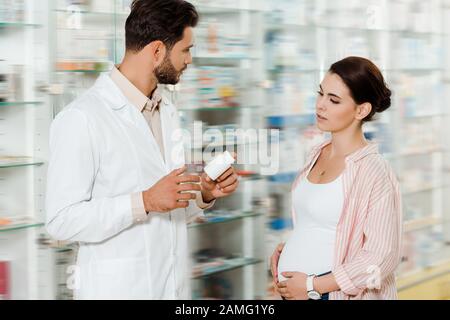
point(172, 136)
point(136, 126)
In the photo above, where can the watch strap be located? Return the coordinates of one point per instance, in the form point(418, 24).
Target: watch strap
point(310, 282)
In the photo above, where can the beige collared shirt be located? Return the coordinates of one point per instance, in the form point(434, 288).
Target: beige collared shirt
point(149, 107)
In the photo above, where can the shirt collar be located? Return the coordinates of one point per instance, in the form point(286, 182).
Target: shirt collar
point(371, 148)
point(133, 94)
point(155, 100)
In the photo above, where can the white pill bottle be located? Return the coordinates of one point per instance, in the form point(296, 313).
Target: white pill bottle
point(219, 165)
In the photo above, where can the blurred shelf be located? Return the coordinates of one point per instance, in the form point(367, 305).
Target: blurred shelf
point(93, 13)
point(213, 144)
point(251, 177)
point(280, 68)
point(279, 224)
point(83, 66)
point(424, 116)
point(82, 71)
point(424, 151)
point(64, 249)
point(292, 120)
point(205, 60)
point(206, 9)
point(279, 27)
point(422, 223)
point(213, 219)
point(21, 225)
point(412, 153)
point(225, 265)
point(293, 68)
point(202, 9)
point(4, 24)
point(237, 108)
point(284, 177)
point(90, 34)
point(421, 275)
point(414, 70)
point(420, 33)
point(91, 37)
point(11, 162)
point(421, 189)
point(19, 103)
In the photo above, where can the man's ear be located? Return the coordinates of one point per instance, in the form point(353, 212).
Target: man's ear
point(363, 110)
point(157, 51)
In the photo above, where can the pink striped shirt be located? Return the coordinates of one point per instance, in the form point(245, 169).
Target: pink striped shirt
point(369, 232)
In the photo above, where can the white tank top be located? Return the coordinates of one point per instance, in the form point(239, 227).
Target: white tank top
point(310, 247)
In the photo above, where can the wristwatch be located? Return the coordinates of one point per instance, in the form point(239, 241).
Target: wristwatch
point(312, 294)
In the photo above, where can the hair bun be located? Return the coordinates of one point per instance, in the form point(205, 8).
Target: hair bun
point(384, 102)
point(365, 82)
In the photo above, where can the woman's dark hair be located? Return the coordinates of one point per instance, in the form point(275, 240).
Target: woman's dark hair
point(366, 83)
point(163, 20)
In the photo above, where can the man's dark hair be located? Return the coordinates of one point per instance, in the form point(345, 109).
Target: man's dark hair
point(163, 20)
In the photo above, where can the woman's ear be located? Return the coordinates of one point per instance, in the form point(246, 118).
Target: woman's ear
point(363, 110)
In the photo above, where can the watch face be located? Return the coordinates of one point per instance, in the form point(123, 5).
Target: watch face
point(314, 295)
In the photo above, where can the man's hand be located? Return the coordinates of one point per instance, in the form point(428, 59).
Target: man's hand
point(274, 262)
point(224, 186)
point(171, 192)
point(294, 288)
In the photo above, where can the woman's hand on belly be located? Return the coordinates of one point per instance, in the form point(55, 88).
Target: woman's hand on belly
point(294, 288)
point(274, 262)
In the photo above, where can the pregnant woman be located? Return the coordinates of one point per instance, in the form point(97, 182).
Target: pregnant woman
point(346, 203)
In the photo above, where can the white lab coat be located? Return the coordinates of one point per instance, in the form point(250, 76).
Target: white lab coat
point(101, 151)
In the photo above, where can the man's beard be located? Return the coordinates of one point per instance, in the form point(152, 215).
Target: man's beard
point(166, 72)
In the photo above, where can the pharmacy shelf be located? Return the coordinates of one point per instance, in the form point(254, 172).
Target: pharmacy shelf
point(92, 71)
point(424, 116)
point(248, 56)
point(413, 70)
point(24, 43)
point(67, 248)
point(82, 71)
point(221, 60)
point(12, 162)
point(212, 144)
point(94, 14)
point(214, 219)
point(208, 10)
point(251, 177)
point(77, 66)
point(421, 275)
point(21, 226)
point(218, 266)
point(19, 103)
point(18, 25)
point(292, 120)
point(231, 108)
point(93, 37)
point(64, 249)
point(417, 152)
point(308, 27)
point(283, 178)
point(422, 223)
point(293, 69)
point(422, 189)
point(281, 68)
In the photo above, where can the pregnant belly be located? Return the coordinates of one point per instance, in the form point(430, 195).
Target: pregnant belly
point(307, 251)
